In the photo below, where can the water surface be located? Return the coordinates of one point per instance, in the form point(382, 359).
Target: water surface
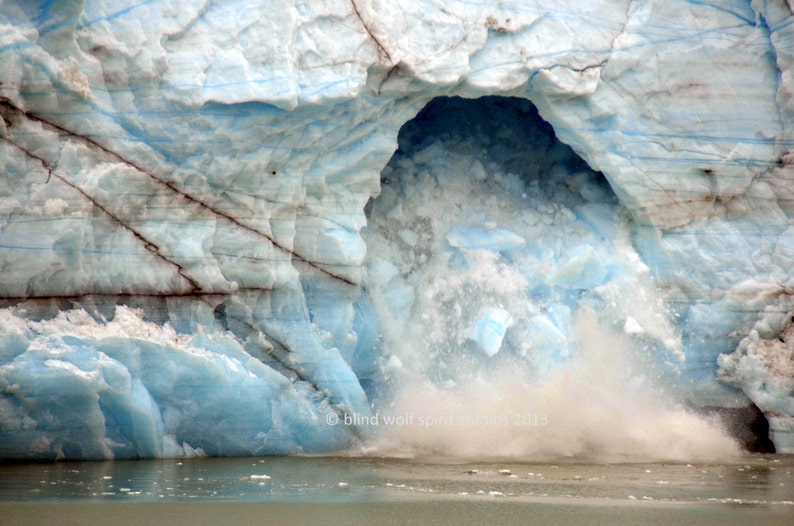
point(339, 490)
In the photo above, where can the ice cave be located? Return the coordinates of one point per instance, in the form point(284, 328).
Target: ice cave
point(536, 229)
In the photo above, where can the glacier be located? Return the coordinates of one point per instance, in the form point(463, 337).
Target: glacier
point(226, 227)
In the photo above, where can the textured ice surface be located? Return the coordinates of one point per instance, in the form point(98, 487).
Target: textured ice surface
point(185, 183)
point(764, 367)
point(130, 388)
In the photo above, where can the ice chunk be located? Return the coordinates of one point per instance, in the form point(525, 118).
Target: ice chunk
point(632, 326)
point(489, 331)
point(546, 334)
point(484, 238)
point(582, 268)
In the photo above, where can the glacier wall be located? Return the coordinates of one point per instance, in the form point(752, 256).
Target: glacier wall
point(181, 252)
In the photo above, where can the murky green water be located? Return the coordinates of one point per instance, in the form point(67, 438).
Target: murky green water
point(754, 490)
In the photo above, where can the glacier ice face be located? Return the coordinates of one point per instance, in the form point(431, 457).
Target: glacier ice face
point(128, 388)
point(764, 368)
point(183, 253)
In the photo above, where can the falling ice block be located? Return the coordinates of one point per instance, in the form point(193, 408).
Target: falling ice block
point(483, 238)
point(489, 332)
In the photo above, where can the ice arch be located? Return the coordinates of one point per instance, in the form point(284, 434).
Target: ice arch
point(488, 237)
point(487, 221)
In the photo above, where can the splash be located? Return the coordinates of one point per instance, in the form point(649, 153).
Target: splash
point(597, 408)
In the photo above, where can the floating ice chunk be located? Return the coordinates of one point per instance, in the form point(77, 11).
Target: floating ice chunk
point(489, 331)
point(482, 238)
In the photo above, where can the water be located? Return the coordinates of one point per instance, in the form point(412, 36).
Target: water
point(342, 490)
